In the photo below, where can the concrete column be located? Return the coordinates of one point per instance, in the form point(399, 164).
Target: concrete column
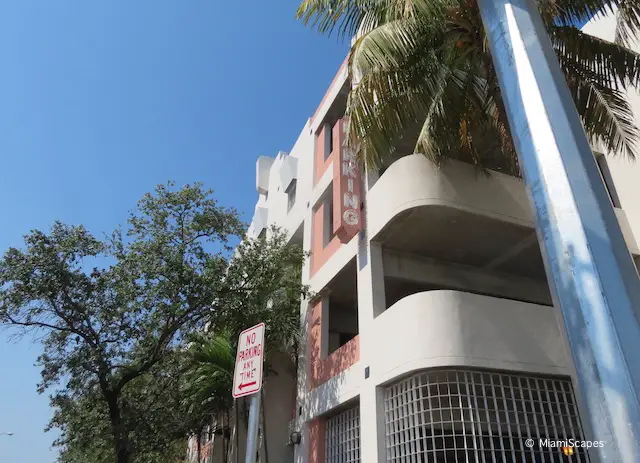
point(371, 302)
point(301, 451)
point(324, 328)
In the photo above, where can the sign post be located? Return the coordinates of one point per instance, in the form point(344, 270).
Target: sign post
point(247, 380)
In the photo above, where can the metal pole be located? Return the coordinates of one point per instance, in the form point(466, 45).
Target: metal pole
point(590, 271)
point(252, 430)
point(264, 427)
point(236, 428)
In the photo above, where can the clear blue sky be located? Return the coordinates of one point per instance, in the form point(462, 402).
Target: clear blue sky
point(102, 100)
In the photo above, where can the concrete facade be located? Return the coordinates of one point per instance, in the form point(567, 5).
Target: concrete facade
point(445, 274)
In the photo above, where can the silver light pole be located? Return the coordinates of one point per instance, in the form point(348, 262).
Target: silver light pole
point(592, 276)
point(252, 431)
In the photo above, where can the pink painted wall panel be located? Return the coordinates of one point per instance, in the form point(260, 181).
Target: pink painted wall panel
point(322, 370)
point(320, 254)
point(316, 440)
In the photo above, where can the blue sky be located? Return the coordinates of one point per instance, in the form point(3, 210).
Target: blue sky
point(102, 100)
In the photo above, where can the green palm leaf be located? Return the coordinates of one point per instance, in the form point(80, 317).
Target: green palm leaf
point(423, 78)
point(209, 378)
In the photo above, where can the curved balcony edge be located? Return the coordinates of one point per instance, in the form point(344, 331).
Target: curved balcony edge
point(414, 181)
point(445, 328)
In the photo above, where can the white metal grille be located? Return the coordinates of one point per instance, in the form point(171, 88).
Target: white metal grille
point(457, 416)
point(342, 437)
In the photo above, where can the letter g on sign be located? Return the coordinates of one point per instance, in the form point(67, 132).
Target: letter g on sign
point(350, 217)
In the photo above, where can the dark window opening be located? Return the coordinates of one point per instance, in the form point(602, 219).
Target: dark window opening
point(342, 311)
point(291, 194)
point(328, 233)
point(399, 288)
point(328, 140)
point(333, 115)
point(605, 174)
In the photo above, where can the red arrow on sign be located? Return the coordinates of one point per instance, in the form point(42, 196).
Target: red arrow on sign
point(242, 386)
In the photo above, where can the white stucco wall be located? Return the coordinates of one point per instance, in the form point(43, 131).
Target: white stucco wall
point(274, 198)
point(332, 93)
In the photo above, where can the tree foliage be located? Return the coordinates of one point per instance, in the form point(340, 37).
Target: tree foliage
point(156, 419)
point(209, 378)
point(112, 312)
point(263, 284)
point(131, 370)
point(425, 81)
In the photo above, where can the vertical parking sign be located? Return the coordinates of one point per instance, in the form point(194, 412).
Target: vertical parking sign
point(247, 377)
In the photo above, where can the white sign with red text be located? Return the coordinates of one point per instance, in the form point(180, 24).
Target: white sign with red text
point(247, 377)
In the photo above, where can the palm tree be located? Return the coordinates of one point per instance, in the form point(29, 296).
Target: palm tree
point(425, 80)
point(208, 384)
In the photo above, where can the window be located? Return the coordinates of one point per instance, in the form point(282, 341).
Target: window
point(605, 173)
point(480, 416)
point(328, 140)
point(327, 232)
point(291, 194)
point(342, 437)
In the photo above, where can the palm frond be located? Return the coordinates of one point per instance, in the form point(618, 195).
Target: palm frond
point(210, 375)
point(426, 142)
point(386, 47)
point(608, 119)
point(384, 105)
point(606, 115)
point(570, 12)
point(627, 22)
point(422, 73)
point(610, 63)
point(345, 16)
point(351, 17)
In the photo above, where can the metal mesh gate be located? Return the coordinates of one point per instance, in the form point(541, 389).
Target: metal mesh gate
point(342, 437)
point(458, 416)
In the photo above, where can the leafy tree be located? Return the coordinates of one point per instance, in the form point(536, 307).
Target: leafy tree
point(262, 284)
point(425, 80)
point(156, 418)
point(113, 313)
